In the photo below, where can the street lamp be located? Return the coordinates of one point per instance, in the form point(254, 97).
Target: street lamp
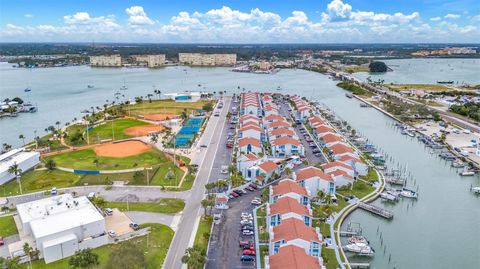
point(148, 178)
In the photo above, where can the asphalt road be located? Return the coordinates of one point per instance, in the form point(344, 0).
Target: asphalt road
point(183, 238)
point(312, 159)
point(224, 251)
point(224, 154)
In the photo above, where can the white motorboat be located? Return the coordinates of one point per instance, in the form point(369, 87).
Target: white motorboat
point(408, 193)
point(458, 164)
point(360, 249)
point(467, 173)
point(388, 197)
point(476, 190)
point(358, 239)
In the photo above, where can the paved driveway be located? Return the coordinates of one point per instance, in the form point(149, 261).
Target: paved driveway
point(150, 217)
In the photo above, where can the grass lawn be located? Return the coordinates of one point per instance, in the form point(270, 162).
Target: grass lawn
point(204, 228)
point(84, 159)
point(165, 206)
point(163, 107)
point(40, 180)
point(329, 258)
point(159, 178)
point(158, 243)
point(356, 68)
point(426, 87)
point(324, 227)
point(186, 184)
point(263, 253)
point(371, 175)
point(262, 224)
point(7, 226)
point(360, 189)
point(104, 131)
point(319, 210)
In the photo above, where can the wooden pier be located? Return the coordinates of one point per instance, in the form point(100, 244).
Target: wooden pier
point(359, 265)
point(376, 210)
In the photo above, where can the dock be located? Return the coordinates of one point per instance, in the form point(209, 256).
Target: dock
point(359, 265)
point(376, 210)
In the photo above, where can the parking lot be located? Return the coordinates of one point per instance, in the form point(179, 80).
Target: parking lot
point(118, 222)
point(224, 251)
point(313, 158)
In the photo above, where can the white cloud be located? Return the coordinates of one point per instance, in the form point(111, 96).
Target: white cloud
point(339, 22)
point(451, 16)
point(137, 16)
point(28, 16)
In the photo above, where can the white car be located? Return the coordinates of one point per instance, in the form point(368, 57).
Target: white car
point(108, 211)
point(112, 233)
point(256, 202)
point(243, 222)
point(247, 232)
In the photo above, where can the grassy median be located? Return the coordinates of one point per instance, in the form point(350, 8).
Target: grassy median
point(165, 206)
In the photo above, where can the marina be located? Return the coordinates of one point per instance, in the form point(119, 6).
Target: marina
point(414, 218)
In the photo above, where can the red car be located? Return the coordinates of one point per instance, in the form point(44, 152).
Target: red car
point(229, 145)
point(235, 194)
point(248, 252)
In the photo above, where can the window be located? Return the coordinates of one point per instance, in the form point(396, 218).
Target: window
point(315, 249)
point(305, 200)
point(306, 220)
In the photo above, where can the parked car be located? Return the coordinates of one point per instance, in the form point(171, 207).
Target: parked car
point(247, 258)
point(247, 232)
point(112, 233)
point(253, 186)
point(231, 196)
point(244, 222)
point(247, 227)
point(203, 146)
point(134, 226)
point(256, 202)
point(108, 211)
point(54, 191)
point(249, 189)
point(235, 194)
point(238, 192)
point(244, 243)
point(248, 252)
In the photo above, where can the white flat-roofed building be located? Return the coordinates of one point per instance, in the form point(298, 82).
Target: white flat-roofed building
point(204, 59)
point(62, 225)
point(106, 61)
point(25, 160)
point(152, 60)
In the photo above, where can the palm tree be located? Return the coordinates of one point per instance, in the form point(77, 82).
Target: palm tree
point(23, 138)
point(195, 257)
point(14, 169)
point(209, 186)
point(205, 204)
point(328, 198)
point(27, 249)
point(6, 147)
point(320, 195)
point(287, 171)
point(50, 164)
point(58, 125)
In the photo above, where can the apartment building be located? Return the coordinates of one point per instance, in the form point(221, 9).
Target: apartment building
point(204, 59)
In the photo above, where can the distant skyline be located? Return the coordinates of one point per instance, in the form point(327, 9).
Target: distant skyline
point(247, 21)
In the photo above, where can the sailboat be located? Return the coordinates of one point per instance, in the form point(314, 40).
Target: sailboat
point(124, 87)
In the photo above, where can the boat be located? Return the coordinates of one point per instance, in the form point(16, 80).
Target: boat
point(279, 88)
point(476, 190)
point(27, 89)
point(458, 164)
point(349, 95)
point(445, 82)
point(358, 239)
point(467, 173)
point(388, 197)
point(396, 181)
point(408, 193)
point(360, 249)
point(364, 105)
point(90, 86)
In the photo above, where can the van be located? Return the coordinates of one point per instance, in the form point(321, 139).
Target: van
point(91, 195)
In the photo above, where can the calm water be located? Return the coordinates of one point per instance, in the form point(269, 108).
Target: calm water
point(429, 71)
point(440, 230)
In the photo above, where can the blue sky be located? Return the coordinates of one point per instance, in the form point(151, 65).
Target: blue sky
point(241, 21)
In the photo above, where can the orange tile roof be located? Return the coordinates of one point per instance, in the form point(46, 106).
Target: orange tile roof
point(287, 185)
point(281, 131)
point(274, 117)
point(268, 166)
point(312, 171)
point(336, 163)
point(339, 172)
point(323, 129)
point(293, 228)
point(248, 116)
point(329, 138)
point(251, 156)
point(279, 124)
point(288, 204)
point(242, 142)
point(340, 148)
point(250, 123)
point(345, 158)
point(285, 140)
point(293, 257)
point(251, 127)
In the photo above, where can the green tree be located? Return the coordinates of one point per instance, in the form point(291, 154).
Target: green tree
point(50, 164)
point(377, 66)
point(287, 171)
point(126, 255)
point(208, 107)
point(205, 204)
point(84, 258)
point(195, 257)
point(15, 170)
point(13, 263)
point(22, 137)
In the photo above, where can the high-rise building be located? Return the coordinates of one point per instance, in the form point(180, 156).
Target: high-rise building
point(203, 59)
point(106, 61)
